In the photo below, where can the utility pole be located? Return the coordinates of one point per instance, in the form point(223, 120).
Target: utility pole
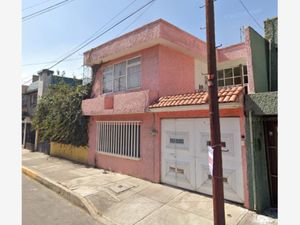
point(217, 176)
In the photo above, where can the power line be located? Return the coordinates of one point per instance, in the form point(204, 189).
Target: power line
point(48, 9)
point(97, 31)
point(250, 14)
point(137, 18)
point(116, 24)
point(53, 61)
point(27, 81)
point(35, 5)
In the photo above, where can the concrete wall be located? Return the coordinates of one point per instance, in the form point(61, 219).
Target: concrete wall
point(76, 154)
point(257, 56)
point(44, 81)
point(271, 34)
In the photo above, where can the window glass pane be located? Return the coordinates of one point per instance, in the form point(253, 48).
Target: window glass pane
point(220, 74)
point(134, 61)
point(133, 76)
point(120, 84)
point(228, 81)
point(237, 71)
point(245, 79)
point(120, 69)
point(228, 72)
point(107, 86)
point(220, 83)
point(245, 69)
point(237, 80)
point(133, 81)
point(107, 79)
point(107, 76)
point(108, 69)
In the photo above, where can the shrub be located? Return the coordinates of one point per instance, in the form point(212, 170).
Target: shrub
point(59, 117)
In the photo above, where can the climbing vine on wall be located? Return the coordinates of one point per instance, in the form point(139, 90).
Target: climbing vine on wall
point(58, 115)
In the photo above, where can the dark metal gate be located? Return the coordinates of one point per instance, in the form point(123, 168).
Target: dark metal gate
point(271, 137)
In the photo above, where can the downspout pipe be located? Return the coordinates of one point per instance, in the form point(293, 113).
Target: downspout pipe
point(252, 160)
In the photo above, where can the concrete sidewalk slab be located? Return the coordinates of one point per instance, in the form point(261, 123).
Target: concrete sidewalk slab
point(123, 200)
point(132, 210)
point(170, 215)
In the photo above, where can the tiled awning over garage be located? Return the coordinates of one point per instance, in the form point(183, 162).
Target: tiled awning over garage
point(226, 95)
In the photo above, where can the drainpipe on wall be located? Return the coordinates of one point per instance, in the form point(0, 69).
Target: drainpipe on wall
point(270, 65)
point(24, 134)
point(252, 160)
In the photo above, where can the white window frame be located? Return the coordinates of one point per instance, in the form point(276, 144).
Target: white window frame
point(126, 75)
point(242, 76)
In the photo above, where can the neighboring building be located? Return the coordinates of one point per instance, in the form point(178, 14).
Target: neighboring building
point(261, 122)
point(30, 94)
point(149, 108)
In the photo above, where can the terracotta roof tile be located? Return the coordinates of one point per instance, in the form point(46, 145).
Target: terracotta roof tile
point(226, 99)
point(233, 98)
point(225, 94)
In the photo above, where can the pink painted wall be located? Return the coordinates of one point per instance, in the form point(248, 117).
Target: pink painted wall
point(148, 35)
point(249, 61)
point(176, 72)
point(143, 168)
point(231, 52)
point(164, 71)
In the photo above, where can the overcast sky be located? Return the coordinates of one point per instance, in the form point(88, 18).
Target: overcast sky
point(47, 37)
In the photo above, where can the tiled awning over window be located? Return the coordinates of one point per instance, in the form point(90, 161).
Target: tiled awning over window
point(226, 94)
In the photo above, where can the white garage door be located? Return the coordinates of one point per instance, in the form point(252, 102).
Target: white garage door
point(185, 158)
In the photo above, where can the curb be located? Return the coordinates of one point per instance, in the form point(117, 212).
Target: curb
point(67, 194)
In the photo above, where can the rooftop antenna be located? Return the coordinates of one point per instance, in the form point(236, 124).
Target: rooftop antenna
point(242, 33)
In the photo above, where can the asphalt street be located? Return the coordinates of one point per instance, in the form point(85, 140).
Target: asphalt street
point(41, 206)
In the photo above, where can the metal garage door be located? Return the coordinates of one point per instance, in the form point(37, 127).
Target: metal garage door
point(185, 158)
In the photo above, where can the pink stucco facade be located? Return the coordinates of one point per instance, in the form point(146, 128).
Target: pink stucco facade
point(167, 68)
point(164, 71)
point(145, 167)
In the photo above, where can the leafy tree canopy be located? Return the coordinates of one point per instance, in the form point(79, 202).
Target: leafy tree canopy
point(59, 117)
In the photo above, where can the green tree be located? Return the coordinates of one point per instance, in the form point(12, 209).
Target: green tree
point(59, 117)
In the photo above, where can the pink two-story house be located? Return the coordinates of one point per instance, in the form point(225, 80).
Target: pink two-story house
point(149, 109)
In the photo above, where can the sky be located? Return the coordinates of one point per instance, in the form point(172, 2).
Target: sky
point(49, 36)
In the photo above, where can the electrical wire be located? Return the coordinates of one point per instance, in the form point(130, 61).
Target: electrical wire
point(104, 32)
point(45, 10)
point(35, 5)
point(250, 14)
point(136, 19)
point(97, 31)
point(53, 61)
point(27, 81)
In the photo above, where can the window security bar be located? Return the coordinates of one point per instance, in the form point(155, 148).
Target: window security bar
point(119, 138)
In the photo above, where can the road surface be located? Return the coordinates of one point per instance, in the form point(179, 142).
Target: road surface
point(41, 206)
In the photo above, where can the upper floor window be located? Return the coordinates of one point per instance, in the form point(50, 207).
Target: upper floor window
point(122, 76)
point(33, 99)
point(233, 76)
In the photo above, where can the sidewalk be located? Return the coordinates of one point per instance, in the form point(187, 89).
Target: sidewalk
point(123, 200)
